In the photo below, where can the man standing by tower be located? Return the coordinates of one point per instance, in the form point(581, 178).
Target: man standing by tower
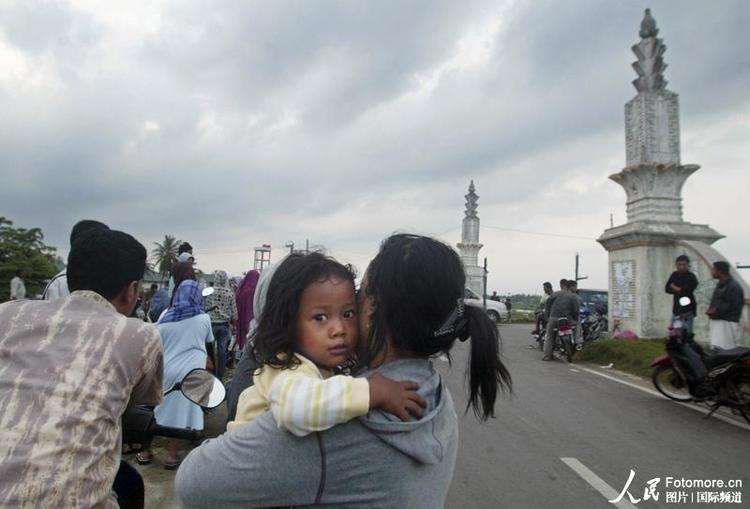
point(682, 283)
point(725, 309)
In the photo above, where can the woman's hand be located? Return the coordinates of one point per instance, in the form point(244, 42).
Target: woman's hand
point(397, 398)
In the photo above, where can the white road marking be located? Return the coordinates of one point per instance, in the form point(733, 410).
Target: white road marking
point(597, 483)
point(575, 370)
point(691, 406)
point(443, 358)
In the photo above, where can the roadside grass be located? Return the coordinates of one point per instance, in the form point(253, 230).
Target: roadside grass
point(631, 356)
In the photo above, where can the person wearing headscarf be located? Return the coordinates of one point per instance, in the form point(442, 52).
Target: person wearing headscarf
point(244, 299)
point(185, 329)
point(243, 374)
point(182, 271)
point(222, 309)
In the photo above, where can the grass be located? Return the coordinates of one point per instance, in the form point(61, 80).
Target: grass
point(630, 356)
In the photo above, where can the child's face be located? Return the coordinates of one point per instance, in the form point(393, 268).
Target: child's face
point(327, 326)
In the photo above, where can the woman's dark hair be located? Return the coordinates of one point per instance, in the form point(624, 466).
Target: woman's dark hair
point(275, 339)
point(417, 284)
point(105, 261)
point(683, 258)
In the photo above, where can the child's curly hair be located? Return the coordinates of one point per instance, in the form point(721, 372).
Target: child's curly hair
point(275, 339)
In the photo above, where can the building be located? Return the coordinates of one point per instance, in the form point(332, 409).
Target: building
point(469, 246)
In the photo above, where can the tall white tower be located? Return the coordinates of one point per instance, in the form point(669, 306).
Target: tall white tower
point(469, 246)
point(642, 251)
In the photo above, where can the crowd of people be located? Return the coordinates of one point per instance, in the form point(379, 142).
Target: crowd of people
point(330, 376)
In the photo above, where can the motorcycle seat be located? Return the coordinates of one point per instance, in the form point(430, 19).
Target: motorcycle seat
point(723, 356)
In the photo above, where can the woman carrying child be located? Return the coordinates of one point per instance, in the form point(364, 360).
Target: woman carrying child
point(410, 310)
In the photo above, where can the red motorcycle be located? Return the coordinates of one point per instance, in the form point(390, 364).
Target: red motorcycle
point(686, 373)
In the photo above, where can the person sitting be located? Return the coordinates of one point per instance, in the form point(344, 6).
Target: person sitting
point(70, 368)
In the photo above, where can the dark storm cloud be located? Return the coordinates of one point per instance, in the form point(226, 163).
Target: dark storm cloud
point(283, 119)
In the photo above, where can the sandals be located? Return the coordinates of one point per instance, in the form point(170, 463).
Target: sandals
point(143, 458)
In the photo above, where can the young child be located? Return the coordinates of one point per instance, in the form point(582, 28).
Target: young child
point(307, 327)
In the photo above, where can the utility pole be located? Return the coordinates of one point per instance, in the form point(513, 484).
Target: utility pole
point(579, 278)
point(290, 245)
point(484, 284)
point(307, 246)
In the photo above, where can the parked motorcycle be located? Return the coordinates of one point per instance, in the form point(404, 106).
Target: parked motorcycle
point(139, 427)
point(593, 324)
point(564, 339)
point(686, 373)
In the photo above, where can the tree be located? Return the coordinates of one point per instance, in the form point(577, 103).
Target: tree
point(24, 250)
point(165, 254)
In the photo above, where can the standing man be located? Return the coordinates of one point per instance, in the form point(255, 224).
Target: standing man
point(725, 309)
point(562, 304)
point(57, 288)
point(222, 309)
point(495, 297)
point(540, 315)
point(682, 283)
point(70, 369)
point(17, 287)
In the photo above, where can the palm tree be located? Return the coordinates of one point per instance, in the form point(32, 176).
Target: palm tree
point(165, 254)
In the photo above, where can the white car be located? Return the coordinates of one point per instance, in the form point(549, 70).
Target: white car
point(496, 311)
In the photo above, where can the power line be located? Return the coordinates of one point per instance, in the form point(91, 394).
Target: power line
point(544, 234)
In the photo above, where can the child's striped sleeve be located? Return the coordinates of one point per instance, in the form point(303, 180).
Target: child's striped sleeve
point(302, 402)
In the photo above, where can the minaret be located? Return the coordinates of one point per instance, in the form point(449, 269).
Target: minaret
point(642, 251)
point(469, 246)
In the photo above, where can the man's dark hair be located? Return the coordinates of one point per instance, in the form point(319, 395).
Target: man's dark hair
point(84, 226)
point(154, 286)
point(105, 261)
point(185, 247)
point(683, 258)
point(547, 284)
point(563, 283)
point(722, 267)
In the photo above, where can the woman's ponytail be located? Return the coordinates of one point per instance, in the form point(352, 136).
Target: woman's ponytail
point(486, 371)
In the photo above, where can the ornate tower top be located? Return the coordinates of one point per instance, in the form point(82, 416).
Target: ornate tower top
point(471, 201)
point(650, 65)
point(648, 26)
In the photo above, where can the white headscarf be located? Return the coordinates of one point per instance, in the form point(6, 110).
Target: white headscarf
point(259, 298)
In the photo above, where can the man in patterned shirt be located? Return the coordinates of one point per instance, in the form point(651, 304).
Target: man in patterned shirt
point(222, 308)
point(69, 369)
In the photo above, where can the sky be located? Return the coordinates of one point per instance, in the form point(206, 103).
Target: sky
point(232, 124)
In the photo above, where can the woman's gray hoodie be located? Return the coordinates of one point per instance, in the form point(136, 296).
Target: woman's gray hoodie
point(373, 461)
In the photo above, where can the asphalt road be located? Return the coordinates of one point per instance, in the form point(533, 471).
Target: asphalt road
point(603, 429)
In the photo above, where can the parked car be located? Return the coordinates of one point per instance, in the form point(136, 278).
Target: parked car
point(496, 311)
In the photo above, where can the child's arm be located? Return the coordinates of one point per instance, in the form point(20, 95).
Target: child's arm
point(303, 403)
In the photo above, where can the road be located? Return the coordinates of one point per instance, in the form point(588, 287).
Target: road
point(603, 428)
point(559, 410)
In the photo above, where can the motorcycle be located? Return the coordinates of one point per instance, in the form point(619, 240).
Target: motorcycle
point(139, 427)
point(564, 339)
point(686, 373)
point(593, 324)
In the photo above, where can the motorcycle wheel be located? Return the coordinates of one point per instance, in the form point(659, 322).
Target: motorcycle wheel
point(670, 383)
point(741, 385)
point(569, 351)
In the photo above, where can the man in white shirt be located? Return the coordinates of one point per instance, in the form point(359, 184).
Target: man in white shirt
point(57, 288)
point(17, 288)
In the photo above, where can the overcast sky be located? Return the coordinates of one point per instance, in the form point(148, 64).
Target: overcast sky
point(232, 124)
